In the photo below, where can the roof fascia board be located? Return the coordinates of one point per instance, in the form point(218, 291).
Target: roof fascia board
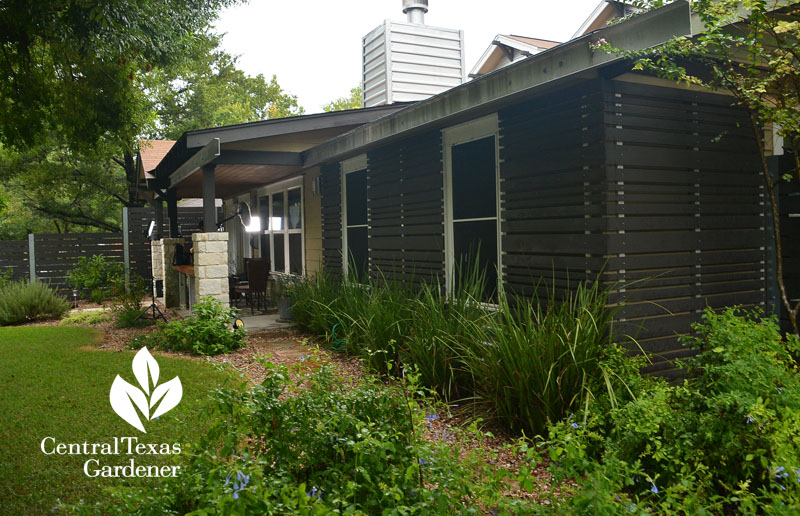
point(602, 6)
point(500, 40)
point(567, 60)
point(514, 43)
point(485, 57)
point(283, 126)
point(202, 157)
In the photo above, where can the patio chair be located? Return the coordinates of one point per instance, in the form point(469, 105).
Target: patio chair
point(255, 290)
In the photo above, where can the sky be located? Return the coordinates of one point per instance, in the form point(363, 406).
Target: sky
point(314, 46)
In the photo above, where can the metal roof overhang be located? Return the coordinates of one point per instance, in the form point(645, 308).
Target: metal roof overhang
point(246, 156)
point(568, 62)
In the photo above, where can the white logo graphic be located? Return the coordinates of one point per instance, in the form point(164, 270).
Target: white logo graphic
point(126, 398)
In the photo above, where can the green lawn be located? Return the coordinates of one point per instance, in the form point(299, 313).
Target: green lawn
point(55, 384)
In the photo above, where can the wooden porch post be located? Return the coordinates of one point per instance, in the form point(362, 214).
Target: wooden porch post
point(158, 207)
point(172, 213)
point(209, 196)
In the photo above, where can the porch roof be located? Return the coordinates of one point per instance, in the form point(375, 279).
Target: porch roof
point(257, 153)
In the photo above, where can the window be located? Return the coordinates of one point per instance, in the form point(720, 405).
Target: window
point(472, 225)
point(281, 209)
point(355, 221)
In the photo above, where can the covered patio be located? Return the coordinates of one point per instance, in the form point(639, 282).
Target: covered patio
point(270, 224)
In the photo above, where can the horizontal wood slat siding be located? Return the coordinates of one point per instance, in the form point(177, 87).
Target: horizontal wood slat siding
point(552, 191)
point(405, 202)
point(331, 190)
point(684, 211)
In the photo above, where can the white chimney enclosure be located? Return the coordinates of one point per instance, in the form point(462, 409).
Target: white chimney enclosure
point(407, 62)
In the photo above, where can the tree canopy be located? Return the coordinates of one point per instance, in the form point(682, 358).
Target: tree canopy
point(73, 67)
point(354, 101)
point(73, 167)
point(208, 90)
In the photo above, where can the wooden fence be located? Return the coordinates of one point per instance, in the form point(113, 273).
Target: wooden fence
point(51, 257)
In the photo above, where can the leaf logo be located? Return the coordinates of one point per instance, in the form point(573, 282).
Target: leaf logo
point(126, 398)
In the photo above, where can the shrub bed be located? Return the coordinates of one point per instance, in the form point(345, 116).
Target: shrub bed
point(95, 277)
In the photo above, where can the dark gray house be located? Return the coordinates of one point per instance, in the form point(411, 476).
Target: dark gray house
point(561, 167)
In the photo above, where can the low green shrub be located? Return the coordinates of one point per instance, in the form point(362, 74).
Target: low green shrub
point(725, 441)
point(132, 319)
point(209, 332)
point(21, 302)
point(311, 445)
point(86, 317)
point(96, 277)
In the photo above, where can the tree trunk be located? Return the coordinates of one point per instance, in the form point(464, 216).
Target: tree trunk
point(776, 224)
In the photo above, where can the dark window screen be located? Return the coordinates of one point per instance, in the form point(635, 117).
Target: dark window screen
point(278, 245)
point(474, 179)
point(475, 252)
point(357, 251)
point(296, 253)
point(356, 192)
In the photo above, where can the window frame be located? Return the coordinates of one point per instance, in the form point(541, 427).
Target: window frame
point(268, 191)
point(355, 164)
point(477, 129)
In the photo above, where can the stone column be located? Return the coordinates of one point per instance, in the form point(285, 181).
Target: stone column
point(211, 265)
point(157, 261)
point(163, 251)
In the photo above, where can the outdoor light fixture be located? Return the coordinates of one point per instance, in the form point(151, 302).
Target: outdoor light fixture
point(251, 223)
point(254, 226)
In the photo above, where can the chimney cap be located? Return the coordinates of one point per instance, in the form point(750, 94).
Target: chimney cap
point(415, 4)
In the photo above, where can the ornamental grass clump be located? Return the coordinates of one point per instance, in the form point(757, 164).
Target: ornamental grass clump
point(537, 362)
point(522, 362)
point(443, 328)
point(23, 301)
